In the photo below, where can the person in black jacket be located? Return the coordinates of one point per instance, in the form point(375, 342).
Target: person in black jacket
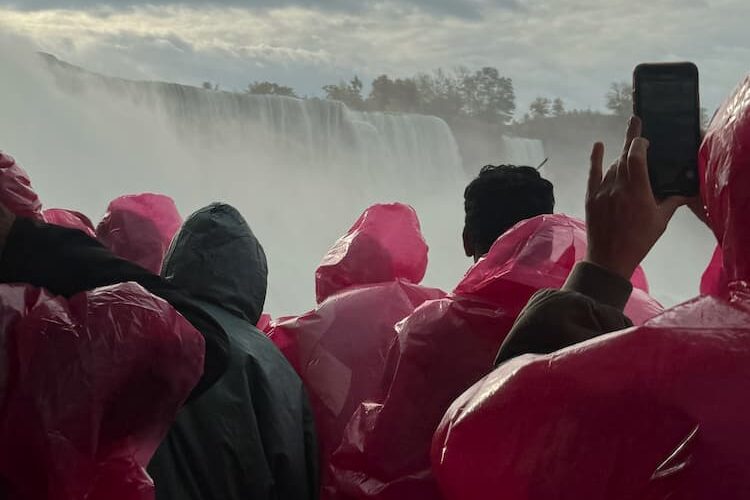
point(67, 261)
point(252, 434)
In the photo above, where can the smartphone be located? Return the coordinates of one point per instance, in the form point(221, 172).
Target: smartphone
point(666, 99)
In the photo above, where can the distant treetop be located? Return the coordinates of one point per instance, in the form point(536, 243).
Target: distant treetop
point(483, 95)
point(270, 88)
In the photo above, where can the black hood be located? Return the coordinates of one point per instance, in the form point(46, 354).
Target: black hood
point(217, 258)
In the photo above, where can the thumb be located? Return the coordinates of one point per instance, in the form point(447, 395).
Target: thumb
point(669, 206)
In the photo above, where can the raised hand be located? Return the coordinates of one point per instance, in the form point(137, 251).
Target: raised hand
point(623, 217)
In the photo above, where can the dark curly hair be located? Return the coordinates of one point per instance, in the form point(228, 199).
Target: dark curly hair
point(500, 197)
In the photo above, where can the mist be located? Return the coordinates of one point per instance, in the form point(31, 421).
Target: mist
point(300, 171)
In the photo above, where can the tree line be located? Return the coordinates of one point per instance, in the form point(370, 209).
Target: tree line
point(484, 95)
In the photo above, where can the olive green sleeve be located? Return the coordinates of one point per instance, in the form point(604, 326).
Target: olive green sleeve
point(590, 304)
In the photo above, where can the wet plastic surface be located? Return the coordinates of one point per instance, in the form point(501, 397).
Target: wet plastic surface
point(725, 165)
point(652, 413)
point(714, 279)
point(443, 348)
point(265, 323)
point(340, 348)
point(656, 412)
point(15, 189)
point(384, 244)
point(70, 219)
point(140, 228)
point(93, 383)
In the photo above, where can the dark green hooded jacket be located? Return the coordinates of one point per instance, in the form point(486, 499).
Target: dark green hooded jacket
point(251, 435)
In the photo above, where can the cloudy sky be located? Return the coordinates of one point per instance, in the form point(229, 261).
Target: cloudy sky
point(567, 48)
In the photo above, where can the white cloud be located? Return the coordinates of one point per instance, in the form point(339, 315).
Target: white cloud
point(570, 48)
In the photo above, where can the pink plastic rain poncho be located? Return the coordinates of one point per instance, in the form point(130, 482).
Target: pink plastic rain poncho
point(70, 219)
point(15, 189)
point(714, 279)
point(140, 228)
point(366, 283)
point(88, 385)
point(93, 384)
point(447, 345)
point(656, 412)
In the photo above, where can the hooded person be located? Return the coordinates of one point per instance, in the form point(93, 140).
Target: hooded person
point(252, 434)
point(69, 218)
point(15, 186)
point(89, 386)
point(652, 412)
point(94, 368)
point(366, 283)
point(444, 347)
point(140, 227)
point(67, 262)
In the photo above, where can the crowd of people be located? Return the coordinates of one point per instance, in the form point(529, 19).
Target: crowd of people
point(136, 360)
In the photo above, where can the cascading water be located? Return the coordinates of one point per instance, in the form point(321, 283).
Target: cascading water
point(301, 171)
point(520, 151)
point(324, 135)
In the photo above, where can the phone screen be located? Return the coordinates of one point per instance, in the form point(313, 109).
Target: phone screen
point(666, 100)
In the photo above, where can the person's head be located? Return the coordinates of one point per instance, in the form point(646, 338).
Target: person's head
point(216, 258)
point(500, 197)
point(140, 227)
point(385, 244)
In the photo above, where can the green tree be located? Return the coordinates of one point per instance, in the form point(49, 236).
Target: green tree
point(620, 99)
point(558, 107)
point(270, 88)
point(487, 96)
point(540, 107)
point(348, 93)
point(439, 94)
point(394, 95)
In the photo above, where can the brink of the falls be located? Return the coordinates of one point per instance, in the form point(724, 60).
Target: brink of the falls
point(300, 170)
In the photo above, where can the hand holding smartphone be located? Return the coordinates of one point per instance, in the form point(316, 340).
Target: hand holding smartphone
point(666, 99)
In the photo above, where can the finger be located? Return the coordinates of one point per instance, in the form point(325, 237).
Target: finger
point(637, 166)
point(596, 170)
point(609, 178)
point(634, 131)
point(6, 161)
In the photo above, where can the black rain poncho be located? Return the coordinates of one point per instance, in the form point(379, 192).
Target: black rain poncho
point(251, 436)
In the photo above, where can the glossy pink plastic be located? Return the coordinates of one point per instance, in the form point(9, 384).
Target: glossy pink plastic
point(15, 189)
point(91, 387)
point(70, 219)
point(714, 279)
point(340, 348)
point(656, 412)
point(140, 228)
point(385, 244)
point(443, 348)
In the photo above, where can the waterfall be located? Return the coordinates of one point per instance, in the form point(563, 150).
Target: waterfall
point(300, 170)
point(324, 136)
point(521, 151)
